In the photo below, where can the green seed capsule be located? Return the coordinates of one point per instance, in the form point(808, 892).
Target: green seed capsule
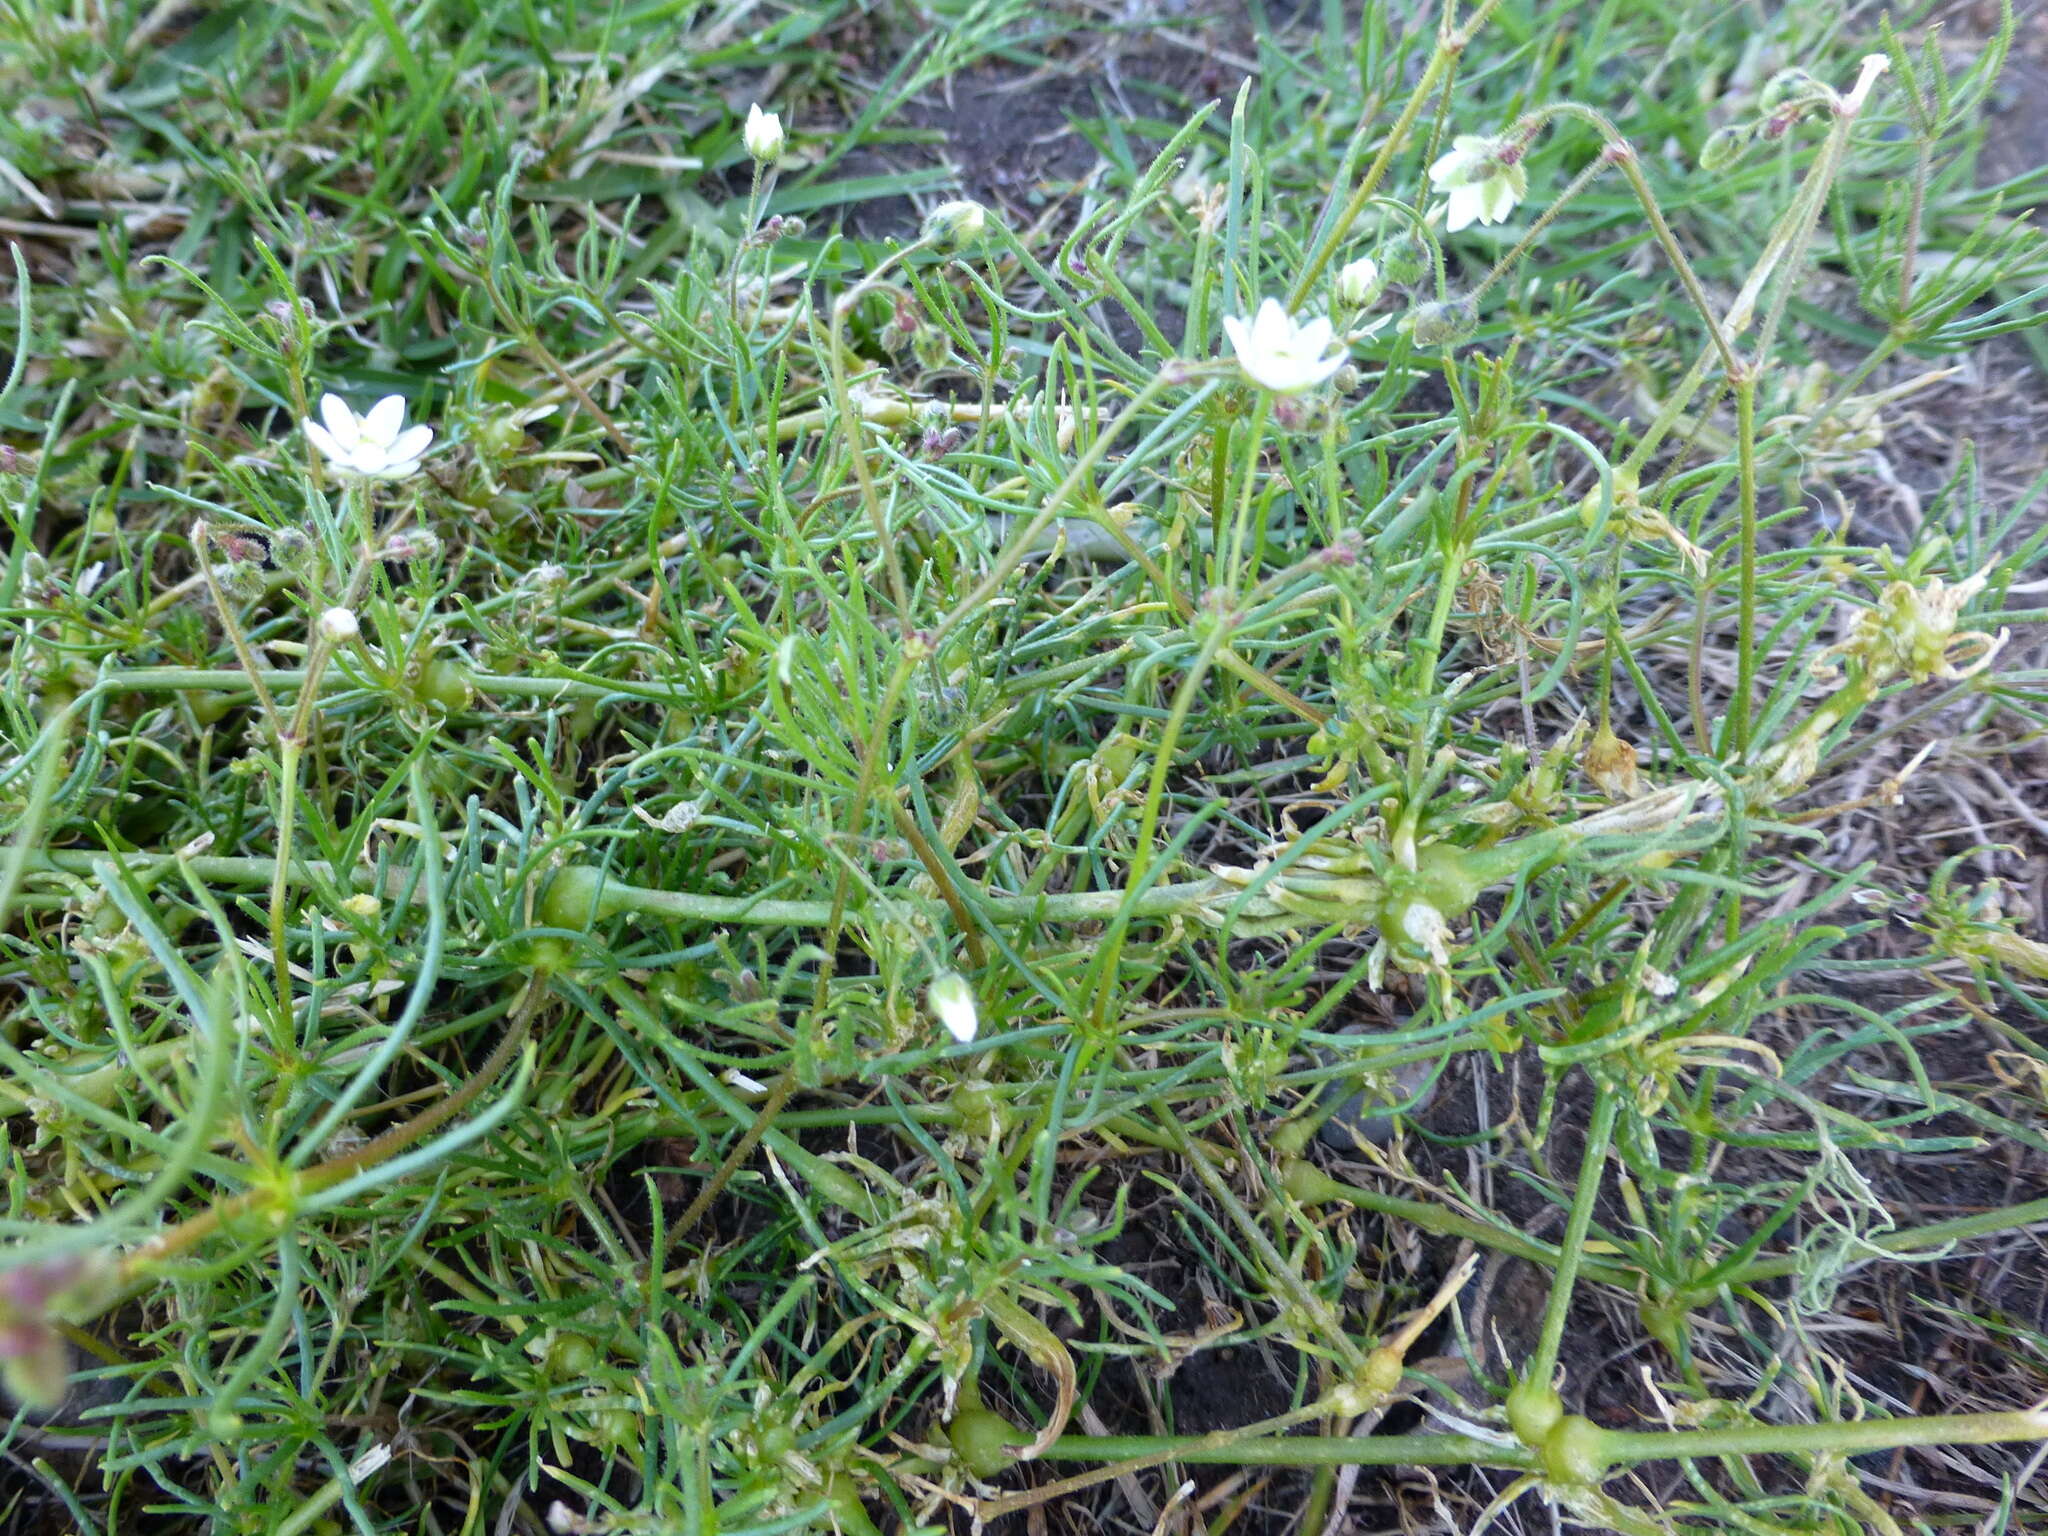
point(572, 898)
point(447, 684)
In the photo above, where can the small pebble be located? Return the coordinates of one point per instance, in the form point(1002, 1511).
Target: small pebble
point(1366, 1113)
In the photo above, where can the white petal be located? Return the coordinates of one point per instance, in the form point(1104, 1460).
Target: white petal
point(412, 442)
point(1448, 169)
point(341, 421)
point(1265, 371)
point(1273, 328)
point(323, 441)
point(1496, 199)
point(1464, 208)
point(385, 420)
point(1240, 335)
point(1314, 338)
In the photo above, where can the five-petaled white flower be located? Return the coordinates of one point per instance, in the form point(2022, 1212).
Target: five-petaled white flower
point(763, 133)
point(1483, 179)
point(1277, 354)
point(377, 445)
point(952, 999)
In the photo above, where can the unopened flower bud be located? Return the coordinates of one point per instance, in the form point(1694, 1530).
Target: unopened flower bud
point(1359, 282)
point(1786, 87)
point(34, 1364)
point(1404, 260)
point(337, 625)
point(412, 544)
point(763, 135)
point(952, 1000)
point(1725, 146)
point(931, 347)
point(292, 550)
point(1291, 413)
point(239, 579)
point(1442, 324)
point(958, 224)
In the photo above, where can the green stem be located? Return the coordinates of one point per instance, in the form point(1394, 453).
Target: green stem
point(1571, 1251)
point(1745, 381)
point(283, 679)
point(851, 421)
point(1226, 568)
point(1283, 1274)
point(55, 746)
point(1297, 1451)
point(1155, 797)
point(1179, 900)
point(1850, 1439)
point(1312, 1186)
point(1622, 1447)
point(291, 752)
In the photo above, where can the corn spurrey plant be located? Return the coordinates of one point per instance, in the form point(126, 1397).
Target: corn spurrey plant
point(669, 963)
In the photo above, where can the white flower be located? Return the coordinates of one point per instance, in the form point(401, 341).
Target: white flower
point(1358, 282)
point(337, 625)
point(1483, 182)
point(1279, 355)
point(763, 133)
point(952, 999)
point(377, 445)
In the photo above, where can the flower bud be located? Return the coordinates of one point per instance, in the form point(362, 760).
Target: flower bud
point(1786, 87)
point(1404, 261)
point(763, 135)
point(1725, 146)
point(957, 224)
point(34, 1364)
point(292, 551)
point(337, 625)
point(1442, 325)
point(931, 346)
point(239, 579)
point(1359, 282)
point(952, 1000)
point(412, 544)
